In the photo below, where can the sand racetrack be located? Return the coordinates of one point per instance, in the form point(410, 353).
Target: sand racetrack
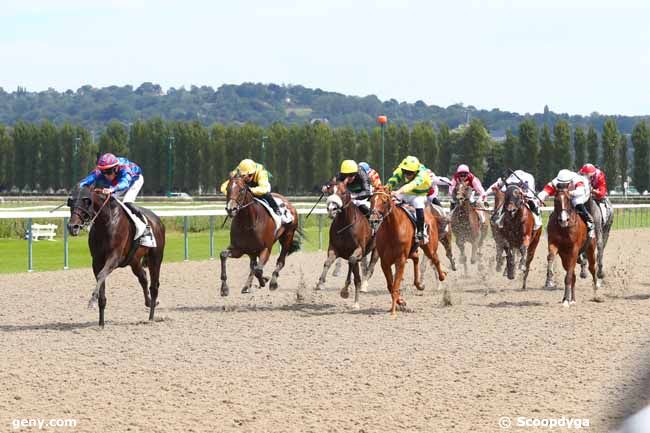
point(271, 362)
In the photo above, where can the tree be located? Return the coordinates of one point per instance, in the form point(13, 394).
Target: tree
point(562, 145)
point(528, 147)
point(622, 157)
point(547, 167)
point(279, 150)
point(494, 159)
point(323, 167)
point(592, 146)
point(474, 145)
point(6, 159)
point(115, 139)
point(610, 145)
point(641, 144)
point(423, 144)
point(510, 152)
point(446, 150)
point(580, 147)
point(51, 157)
point(362, 150)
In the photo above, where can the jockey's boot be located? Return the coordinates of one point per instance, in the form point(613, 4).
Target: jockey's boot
point(419, 223)
point(142, 230)
point(497, 218)
point(586, 217)
point(537, 216)
point(365, 210)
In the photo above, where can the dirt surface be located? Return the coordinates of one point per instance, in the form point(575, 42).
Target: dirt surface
point(295, 360)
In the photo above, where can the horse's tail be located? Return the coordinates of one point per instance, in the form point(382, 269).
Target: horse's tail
point(298, 237)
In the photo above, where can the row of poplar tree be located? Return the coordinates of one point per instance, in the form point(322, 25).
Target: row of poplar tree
point(46, 158)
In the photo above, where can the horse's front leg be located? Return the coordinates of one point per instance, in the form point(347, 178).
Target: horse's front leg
point(251, 274)
point(354, 260)
point(369, 270)
point(331, 257)
point(601, 252)
point(569, 262)
point(523, 250)
point(228, 252)
point(259, 268)
point(99, 294)
point(552, 251)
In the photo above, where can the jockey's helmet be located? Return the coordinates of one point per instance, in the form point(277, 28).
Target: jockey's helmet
point(246, 167)
point(410, 163)
point(349, 167)
point(588, 169)
point(565, 176)
point(463, 168)
point(107, 161)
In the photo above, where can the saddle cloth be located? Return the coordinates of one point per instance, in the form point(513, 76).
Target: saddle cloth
point(286, 215)
point(133, 218)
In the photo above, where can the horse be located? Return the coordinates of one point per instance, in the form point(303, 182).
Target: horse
point(602, 230)
point(351, 238)
point(253, 232)
point(467, 226)
point(444, 232)
point(567, 235)
point(497, 233)
point(112, 245)
point(518, 231)
point(395, 239)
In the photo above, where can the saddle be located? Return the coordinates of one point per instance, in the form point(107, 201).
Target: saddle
point(286, 215)
point(410, 211)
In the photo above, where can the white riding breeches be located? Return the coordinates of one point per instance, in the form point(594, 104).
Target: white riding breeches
point(129, 195)
point(417, 201)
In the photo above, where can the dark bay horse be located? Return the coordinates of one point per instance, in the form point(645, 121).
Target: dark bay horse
point(518, 231)
point(395, 239)
point(567, 236)
point(253, 232)
point(351, 238)
point(467, 227)
point(112, 246)
point(497, 233)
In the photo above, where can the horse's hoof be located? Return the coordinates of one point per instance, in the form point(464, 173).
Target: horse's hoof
point(583, 274)
point(319, 286)
point(573, 302)
point(420, 287)
point(598, 299)
point(453, 266)
point(565, 303)
point(92, 302)
point(364, 286)
point(356, 306)
point(225, 290)
point(549, 285)
point(273, 285)
point(345, 294)
point(600, 274)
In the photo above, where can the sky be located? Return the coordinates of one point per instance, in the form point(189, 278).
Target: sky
point(574, 56)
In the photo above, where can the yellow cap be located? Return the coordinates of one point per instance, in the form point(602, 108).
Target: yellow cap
point(349, 167)
point(410, 163)
point(247, 166)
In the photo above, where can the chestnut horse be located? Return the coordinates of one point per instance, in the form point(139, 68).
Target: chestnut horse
point(467, 227)
point(395, 238)
point(253, 232)
point(497, 233)
point(567, 235)
point(112, 245)
point(518, 224)
point(350, 238)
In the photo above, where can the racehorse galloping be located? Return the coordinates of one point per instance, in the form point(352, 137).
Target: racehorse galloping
point(112, 245)
point(567, 235)
point(350, 238)
point(444, 233)
point(253, 232)
point(395, 240)
point(518, 231)
point(497, 233)
point(467, 227)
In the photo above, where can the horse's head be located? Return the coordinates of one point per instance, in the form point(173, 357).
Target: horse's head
point(514, 199)
point(339, 199)
point(562, 205)
point(237, 195)
point(81, 210)
point(463, 193)
point(381, 205)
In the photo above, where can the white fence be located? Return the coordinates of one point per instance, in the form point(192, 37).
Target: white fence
point(626, 216)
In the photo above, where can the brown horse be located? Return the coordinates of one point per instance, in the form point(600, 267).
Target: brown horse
point(518, 231)
point(467, 227)
point(395, 238)
point(350, 238)
point(497, 233)
point(253, 232)
point(112, 245)
point(567, 235)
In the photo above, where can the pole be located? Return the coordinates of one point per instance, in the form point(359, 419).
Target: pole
point(66, 263)
point(187, 249)
point(170, 169)
point(212, 237)
point(29, 245)
point(383, 168)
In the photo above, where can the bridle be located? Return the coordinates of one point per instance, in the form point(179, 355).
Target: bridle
point(380, 217)
point(88, 214)
point(243, 193)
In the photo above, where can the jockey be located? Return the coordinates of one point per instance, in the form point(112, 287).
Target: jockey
point(256, 178)
point(579, 193)
point(357, 182)
point(123, 179)
point(463, 175)
point(598, 186)
point(432, 194)
point(375, 180)
point(415, 187)
point(527, 183)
